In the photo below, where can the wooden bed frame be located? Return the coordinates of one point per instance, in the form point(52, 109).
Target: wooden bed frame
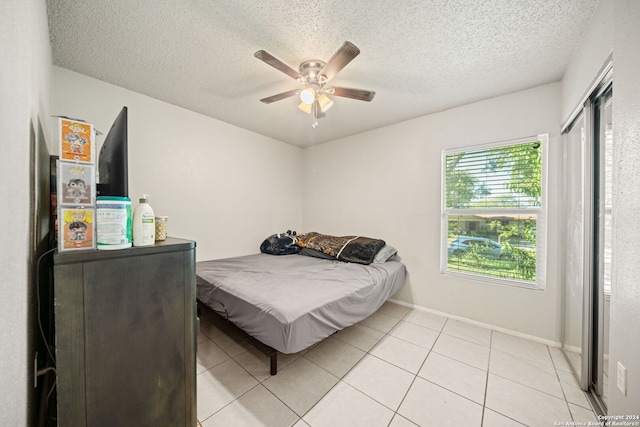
point(221, 321)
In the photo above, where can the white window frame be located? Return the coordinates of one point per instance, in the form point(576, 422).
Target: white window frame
point(541, 218)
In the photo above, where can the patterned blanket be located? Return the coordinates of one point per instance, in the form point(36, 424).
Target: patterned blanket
point(358, 249)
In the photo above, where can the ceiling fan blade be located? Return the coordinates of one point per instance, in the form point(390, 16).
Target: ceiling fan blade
point(278, 97)
point(346, 92)
point(339, 60)
point(277, 64)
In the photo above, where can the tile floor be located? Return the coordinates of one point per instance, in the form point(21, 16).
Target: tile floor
point(399, 367)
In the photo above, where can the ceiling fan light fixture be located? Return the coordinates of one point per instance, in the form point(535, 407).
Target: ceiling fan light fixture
point(305, 107)
point(308, 96)
point(314, 75)
point(325, 102)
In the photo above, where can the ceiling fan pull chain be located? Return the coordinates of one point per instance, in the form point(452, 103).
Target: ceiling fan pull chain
point(314, 114)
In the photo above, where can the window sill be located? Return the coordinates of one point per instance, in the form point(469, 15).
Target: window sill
point(495, 280)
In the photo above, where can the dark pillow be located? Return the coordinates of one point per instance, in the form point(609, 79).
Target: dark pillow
point(280, 244)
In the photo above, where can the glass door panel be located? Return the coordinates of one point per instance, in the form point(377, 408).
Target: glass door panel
point(574, 177)
point(602, 250)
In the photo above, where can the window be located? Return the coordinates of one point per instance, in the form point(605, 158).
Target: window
point(493, 210)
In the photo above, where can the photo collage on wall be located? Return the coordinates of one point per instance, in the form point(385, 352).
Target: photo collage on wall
point(76, 181)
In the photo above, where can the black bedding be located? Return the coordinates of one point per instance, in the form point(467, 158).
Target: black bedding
point(357, 249)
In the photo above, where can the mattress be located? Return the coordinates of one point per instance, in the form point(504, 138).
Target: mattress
point(290, 302)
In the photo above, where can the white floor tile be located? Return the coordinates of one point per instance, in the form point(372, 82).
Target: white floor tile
point(426, 319)
point(526, 405)
point(256, 363)
point(575, 395)
point(258, 407)
point(468, 332)
point(463, 351)
point(209, 329)
point(209, 354)
point(559, 359)
point(348, 407)
point(400, 353)
point(285, 359)
point(455, 376)
point(534, 374)
point(259, 365)
point(380, 322)
point(380, 380)
point(434, 371)
point(301, 384)
point(518, 346)
point(415, 334)
point(575, 361)
point(567, 378)
point(400, 421)
point(202, 337)
point(430, 405)
point(335, 356)
point(231, 344)
point(220, 386)
point(394, 310)
point(360, 336)
point(581, 414)
point(493, 419)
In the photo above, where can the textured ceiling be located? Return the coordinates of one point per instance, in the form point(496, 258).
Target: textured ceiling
point(419, 56)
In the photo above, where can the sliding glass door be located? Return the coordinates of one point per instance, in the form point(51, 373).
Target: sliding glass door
point(603, 216)
point(588, 213)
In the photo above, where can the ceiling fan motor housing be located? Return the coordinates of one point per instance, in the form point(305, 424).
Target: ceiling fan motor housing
point(310, 71)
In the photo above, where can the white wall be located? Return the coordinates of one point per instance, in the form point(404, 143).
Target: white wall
point(224, 187)
point(386, 184)
point(625, 292)
point(25, 58)
point(589, 58)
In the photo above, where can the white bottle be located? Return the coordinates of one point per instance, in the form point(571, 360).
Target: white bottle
point(144, 226)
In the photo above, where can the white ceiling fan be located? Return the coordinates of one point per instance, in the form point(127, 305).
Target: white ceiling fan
point(315, 74)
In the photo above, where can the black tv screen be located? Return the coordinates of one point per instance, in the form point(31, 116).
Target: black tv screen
point(113, 174)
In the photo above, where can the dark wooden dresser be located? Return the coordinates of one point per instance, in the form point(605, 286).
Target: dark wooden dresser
point(126, 336)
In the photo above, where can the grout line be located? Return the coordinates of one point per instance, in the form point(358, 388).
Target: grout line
point(366, 353)
point(529, 387)
point(281, 401)
point(486, 389)
point(566, 401)
point(415, 376)
point(339, 378)
point(486, 382)
point(569, 403)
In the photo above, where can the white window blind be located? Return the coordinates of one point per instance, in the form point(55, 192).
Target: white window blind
point(494, 211)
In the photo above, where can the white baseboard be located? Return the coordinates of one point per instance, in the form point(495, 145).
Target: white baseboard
point(484, 325)
point(573, 349)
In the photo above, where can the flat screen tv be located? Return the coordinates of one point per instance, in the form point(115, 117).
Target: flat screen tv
point(112, 161)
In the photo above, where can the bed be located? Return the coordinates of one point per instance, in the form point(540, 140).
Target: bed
point(291, 302)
